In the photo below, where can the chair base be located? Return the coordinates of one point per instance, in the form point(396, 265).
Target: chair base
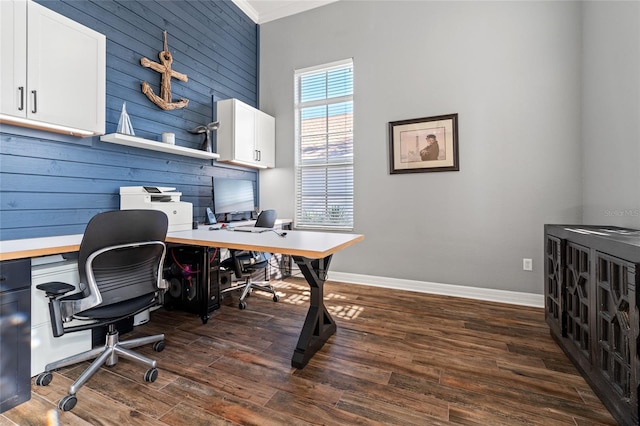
point(246, 288)
point(106, 355)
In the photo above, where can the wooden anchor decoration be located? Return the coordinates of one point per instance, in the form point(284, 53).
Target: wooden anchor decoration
point(164, 100)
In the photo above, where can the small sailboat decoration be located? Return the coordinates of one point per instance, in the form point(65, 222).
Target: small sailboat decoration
point(164, 101)
point(124, 123)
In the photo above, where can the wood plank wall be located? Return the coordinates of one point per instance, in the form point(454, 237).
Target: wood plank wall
point(53, 184)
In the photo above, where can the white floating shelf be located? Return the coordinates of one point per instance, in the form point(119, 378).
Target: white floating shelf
point(134, 141)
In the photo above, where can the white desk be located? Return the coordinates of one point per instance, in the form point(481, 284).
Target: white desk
point(312, 252)
point(36, 247)
point(44, 246)
point(309, 244)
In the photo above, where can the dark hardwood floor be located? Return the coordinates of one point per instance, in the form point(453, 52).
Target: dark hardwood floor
point(397, 358)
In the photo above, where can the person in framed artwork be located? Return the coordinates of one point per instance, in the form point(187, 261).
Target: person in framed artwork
point(432, 150)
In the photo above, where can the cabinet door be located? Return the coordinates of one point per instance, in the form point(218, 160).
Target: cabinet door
point(616, 328)
point(66, 71)
point(579, 298)
point(554, 286)
point(245, 130)
point(13, 67)
point(266, 139)
point(15, 323)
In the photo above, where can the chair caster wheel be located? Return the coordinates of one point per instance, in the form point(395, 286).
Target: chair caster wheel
point(276, 297)
point(67, 403)
point(158, 346)
point(151, 375)
point(43, 379)
point(242, 305)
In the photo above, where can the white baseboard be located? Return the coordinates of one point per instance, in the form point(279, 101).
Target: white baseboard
point(487, 294)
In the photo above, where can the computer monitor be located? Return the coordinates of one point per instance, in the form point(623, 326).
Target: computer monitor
point(233, 197)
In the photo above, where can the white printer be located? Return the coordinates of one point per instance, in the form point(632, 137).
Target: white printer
point(180, 213)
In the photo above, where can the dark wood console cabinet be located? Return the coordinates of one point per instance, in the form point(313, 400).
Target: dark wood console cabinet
point(592, 302)
point(15, 333)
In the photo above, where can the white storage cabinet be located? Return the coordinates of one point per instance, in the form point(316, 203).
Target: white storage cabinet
point(44, 347)
point(246, 135)
point(52, 70)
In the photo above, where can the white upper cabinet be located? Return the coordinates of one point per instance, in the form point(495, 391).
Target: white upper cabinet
point(13, 67)
point(53, 71)
point(266, 138)
point(245, 135)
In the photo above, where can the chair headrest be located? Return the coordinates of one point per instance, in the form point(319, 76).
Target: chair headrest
point(122, 227)
point(266, 219)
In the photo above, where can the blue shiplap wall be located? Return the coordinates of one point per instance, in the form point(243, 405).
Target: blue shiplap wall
point(52, 184)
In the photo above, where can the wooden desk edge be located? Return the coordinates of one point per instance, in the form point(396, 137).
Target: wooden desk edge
point(311, 254)
point(46, 251)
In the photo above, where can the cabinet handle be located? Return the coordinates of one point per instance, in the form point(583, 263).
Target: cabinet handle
point(21, 90)
point(35, 102)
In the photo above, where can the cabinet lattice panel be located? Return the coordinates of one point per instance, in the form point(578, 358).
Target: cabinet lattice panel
point(577, 303)
point(595, 282)
point(615, 278)
point(553, 291)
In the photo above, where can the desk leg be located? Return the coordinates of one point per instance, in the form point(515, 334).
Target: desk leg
point(318, 326)
point(205, 285)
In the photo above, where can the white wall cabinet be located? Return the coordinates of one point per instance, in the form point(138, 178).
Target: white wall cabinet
point(266, 138)
point(52, 72)
point(246, 135)
point(44, 347)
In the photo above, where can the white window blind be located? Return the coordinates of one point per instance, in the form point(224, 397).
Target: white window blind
point(324, 146)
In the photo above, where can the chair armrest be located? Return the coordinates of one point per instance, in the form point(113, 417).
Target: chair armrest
point(55, 289)
point(163, 284)
point(237, 267)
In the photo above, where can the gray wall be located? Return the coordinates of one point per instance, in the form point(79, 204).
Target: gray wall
point(611, 113)
point(511, 70)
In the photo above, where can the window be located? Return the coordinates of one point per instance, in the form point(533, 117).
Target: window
point(324, 146)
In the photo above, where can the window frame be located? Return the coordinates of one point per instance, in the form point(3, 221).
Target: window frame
point(328, 165)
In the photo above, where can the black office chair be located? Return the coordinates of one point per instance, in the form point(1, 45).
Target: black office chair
point(244, 263)
point(120, 265)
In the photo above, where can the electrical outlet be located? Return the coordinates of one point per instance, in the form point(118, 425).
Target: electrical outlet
point(527, 264)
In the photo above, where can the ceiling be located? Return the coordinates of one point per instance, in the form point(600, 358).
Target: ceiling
point(262, 11)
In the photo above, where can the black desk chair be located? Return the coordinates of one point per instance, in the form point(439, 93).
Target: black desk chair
point(120, 265)
point(244, 263)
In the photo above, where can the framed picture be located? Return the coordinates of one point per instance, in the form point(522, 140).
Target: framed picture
point(427, 144)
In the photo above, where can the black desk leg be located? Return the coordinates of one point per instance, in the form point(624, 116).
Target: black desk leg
point(209, 285)
point(318, 326)
point(205, 286)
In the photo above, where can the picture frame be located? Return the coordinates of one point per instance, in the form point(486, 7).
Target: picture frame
point(428, 144)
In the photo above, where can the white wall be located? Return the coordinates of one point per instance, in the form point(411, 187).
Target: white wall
point(511, 70)
point(611, 113)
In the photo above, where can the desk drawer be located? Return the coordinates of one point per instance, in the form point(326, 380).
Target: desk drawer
point(15, 274)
